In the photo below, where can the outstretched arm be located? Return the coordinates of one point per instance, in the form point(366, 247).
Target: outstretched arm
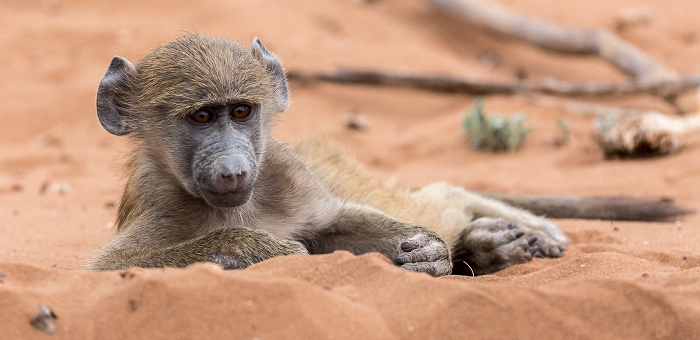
point(361, 229)
point(232, 248)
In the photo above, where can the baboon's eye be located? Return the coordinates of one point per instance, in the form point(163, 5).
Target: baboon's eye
point(241, 111)
point(202, 116)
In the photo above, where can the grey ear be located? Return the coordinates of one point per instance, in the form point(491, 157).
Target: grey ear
point(110, 93)
point(275, 70)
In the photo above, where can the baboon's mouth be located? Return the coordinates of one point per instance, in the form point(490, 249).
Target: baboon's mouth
point(227, 199)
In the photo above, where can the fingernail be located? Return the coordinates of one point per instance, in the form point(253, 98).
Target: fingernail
point(407, 246)
point(519, 234)
point(532, 240)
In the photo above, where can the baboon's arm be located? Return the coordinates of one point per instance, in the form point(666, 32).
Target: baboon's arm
point(232, 248)
point(362, 229)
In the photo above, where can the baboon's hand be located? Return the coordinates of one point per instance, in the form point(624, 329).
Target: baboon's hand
point(238, 248)
point(425, 253)
point(492, 244)
point(229, 261)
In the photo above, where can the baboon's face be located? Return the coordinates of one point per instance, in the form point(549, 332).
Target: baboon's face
point(215, 152)
point(202, 108)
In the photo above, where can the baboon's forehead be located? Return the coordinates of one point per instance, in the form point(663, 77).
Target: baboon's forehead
point(196, 71)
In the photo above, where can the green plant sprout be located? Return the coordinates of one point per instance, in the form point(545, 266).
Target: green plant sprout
point(565, 129)
point(495, 133)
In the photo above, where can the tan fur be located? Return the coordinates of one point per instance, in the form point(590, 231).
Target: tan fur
point(447, 209)
point(347, 179)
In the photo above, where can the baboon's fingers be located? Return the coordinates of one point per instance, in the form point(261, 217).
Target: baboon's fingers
point(437, 268)
point(416, 241)
point(547, 248)
point(407, 246)
point(554, 252)
point(292, 247)
point(429, 253)
point(420, 253)
point(493, 224)
point(534, 250)
point(510, 234)
point(516, 252)
point(226, 261)
point(532, 240)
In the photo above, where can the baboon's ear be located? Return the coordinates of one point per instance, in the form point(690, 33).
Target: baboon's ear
point(274, 69)
point(110, 97)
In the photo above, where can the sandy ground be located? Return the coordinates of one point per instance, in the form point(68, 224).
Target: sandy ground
point(60, 178)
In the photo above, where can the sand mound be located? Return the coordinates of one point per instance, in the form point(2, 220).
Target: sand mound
point(346, 296)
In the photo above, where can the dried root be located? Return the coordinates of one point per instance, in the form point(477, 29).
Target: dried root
point(646, 135)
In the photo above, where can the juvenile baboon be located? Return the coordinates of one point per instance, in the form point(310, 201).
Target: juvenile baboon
point(207, 182)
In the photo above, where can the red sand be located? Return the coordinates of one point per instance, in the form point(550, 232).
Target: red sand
point(60, 178)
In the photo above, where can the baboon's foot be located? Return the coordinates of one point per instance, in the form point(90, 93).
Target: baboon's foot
point(551, 241)
point(547, 246)
point(492, 244)
point(426, 254)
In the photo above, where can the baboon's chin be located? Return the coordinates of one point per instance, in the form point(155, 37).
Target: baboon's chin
point(227, 199)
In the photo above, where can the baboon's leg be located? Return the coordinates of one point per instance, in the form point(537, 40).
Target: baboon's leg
point(550, 240)
point(362, 229)
point(232, 248)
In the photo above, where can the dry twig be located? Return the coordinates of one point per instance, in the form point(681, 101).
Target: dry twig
point(585, 108)
point(444, 83)
point(649, 134)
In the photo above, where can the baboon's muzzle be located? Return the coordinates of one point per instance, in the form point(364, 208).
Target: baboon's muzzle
point(229, 181)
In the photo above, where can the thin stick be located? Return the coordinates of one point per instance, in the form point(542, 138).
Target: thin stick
point(443, 83)
point(584, 107)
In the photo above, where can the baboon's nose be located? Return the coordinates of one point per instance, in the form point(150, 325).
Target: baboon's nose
point(231, 170)
point(229, 175)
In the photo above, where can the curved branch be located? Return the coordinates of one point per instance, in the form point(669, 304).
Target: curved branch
point(502, 20)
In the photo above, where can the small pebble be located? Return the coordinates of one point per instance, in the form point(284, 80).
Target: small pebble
point(60, 188)
point(44, 321)
point(356, 121)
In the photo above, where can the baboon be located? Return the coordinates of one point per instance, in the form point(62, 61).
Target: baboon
point(208, 183)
